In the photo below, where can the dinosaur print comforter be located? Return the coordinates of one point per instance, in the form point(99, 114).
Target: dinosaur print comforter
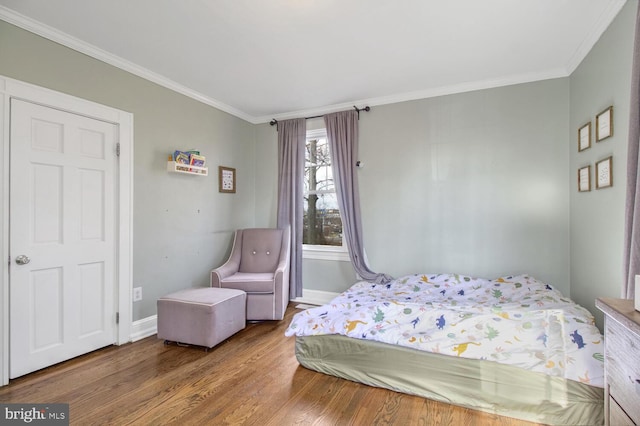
point(512, 320)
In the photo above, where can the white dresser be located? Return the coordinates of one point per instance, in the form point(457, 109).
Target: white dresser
point(622, 361)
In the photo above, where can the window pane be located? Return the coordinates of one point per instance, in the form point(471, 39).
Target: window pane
point(317, 171)
point(322, 223)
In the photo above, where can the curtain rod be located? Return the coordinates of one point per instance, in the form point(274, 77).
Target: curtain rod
point(367, 108)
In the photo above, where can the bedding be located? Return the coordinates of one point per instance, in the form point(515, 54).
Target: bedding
point(516, 320)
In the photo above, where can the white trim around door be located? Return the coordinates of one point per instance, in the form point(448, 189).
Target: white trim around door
point(14, 89)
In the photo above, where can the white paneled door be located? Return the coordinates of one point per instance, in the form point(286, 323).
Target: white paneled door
point(62, 236)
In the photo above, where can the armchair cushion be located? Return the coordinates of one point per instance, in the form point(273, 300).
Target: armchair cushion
point(250, 282)
point(260, 250)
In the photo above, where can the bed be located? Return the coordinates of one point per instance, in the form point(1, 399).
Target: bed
point(513, 346)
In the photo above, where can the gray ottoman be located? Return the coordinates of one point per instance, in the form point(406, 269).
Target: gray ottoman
point(201, 316)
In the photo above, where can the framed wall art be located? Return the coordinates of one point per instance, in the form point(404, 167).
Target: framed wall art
point(604, 173)
point(604, 124)
point(226, 179)
point(584, 137)
point(584, 179)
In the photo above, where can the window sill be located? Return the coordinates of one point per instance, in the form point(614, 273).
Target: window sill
point(325, 253)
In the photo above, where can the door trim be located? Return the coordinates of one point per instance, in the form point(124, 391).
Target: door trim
point(10, 88)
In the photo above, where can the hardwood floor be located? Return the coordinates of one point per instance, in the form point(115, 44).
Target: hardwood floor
point(252, 378)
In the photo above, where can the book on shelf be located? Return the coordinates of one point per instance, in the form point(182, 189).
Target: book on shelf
point(181, 157)
point(197, 160)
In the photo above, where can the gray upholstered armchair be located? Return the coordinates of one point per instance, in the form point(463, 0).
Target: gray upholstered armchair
point(259, 265)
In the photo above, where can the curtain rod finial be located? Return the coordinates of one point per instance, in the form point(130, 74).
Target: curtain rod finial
point(366, 108)
point(273, 122)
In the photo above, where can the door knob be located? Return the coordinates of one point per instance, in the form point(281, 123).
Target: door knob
point(22, 260)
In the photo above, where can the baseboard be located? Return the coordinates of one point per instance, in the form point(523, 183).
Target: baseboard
point(315, 297)
point(144, 328)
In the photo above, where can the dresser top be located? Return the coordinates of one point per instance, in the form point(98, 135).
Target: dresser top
point(621, 310)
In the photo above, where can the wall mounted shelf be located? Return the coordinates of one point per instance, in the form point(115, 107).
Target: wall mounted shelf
point(174, 167)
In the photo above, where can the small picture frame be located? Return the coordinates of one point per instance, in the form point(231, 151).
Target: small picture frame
point(604, 173)
point(584, 179)
point(604, 124)
point(584, 137)
point(226, 179)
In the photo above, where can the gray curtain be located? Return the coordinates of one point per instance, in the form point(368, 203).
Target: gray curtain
point(342, 132)
point(292, 135)
point(632, 211)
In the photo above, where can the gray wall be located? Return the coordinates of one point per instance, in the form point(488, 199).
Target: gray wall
point(597, 217)
point(474, 183)
point(182, 224)
point(266, 184)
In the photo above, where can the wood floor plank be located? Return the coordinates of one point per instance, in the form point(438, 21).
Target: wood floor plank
point(253, 378)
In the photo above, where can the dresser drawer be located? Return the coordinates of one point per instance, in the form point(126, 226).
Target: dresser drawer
point(622, 350)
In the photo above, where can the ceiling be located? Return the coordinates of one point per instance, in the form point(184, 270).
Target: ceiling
point(260, 59)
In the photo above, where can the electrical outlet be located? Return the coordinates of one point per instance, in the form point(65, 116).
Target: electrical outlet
point(137, 294)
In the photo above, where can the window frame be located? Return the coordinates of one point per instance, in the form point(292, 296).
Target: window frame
point(324, 252)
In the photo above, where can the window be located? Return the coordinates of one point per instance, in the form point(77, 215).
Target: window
point(322, 225)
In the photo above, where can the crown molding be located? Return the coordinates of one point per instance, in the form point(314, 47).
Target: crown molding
point(592, 38)
point(421, 94)
point(78, 45)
